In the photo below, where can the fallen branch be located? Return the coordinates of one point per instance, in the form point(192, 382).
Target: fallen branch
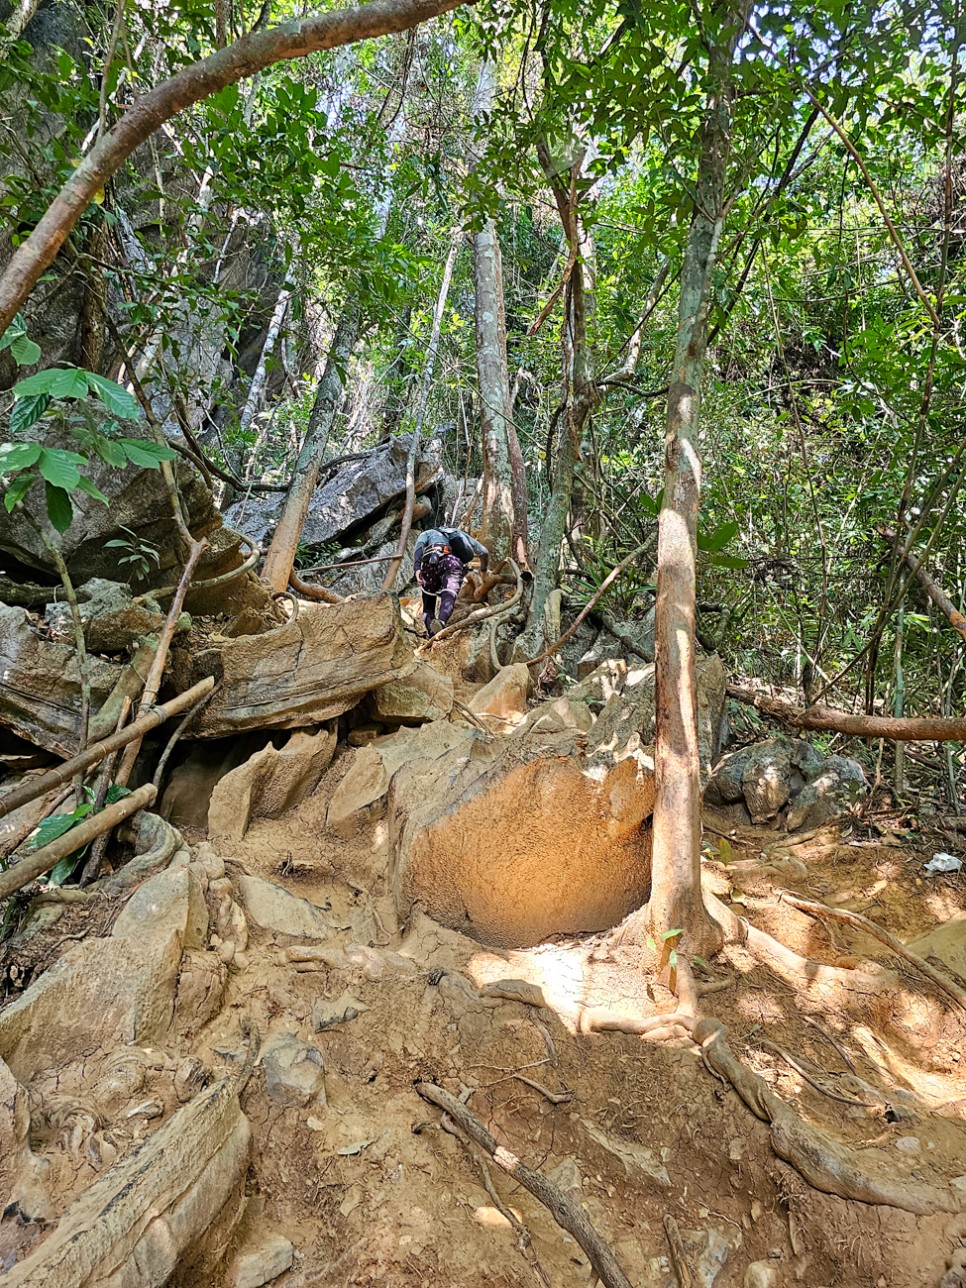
point(588, 607)
point(35, 865)
point(555, 1097)
point(931, 587)
point(826, 1164)
point(679, 1259)
point(35, 787)
point(568, 1214)
point(858, 922)
point(909, 729)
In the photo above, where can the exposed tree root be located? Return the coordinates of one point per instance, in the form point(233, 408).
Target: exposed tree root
point(498, 610)
point(679, 1258)
point(858, 922)
point(826, 1164)
point(568, 1215)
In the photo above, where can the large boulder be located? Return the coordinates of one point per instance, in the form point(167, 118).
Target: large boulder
point(347, 502)
point(426, 694)
point(629, 713)
point(113, 620)
point(269, 783)
point(40, 683)
point(785, 782)
point(304, 672)
point(137, 500)
point(512, 840)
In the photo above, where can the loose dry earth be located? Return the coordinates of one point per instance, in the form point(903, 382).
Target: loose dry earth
point(368, 1186)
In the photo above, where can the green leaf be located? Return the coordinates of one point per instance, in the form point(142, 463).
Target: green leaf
point(68, 382)
point(59, 382)
point(115, 793)
point(718, 539)
point(148, 455)
point(671, 934)
point(18, 489)
point(61, 468)
point(55, 826)
point(62, 870)
point(728, 561)
point(726, 853)
point(18, 456)
point(114, 398)
point(85, 485)
point(672, 960)
point(14, 331)
point(59, 509)
point(27, 411)
point(699, 962)
point(110, 452)
point(25, 351)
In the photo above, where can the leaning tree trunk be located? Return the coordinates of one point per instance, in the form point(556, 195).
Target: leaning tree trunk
point(200, 80)
point(676, 902)
point(491, 365)
point(281, 553)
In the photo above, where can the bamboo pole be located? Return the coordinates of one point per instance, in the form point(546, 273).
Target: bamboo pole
point(35, 865)
point(35, 787)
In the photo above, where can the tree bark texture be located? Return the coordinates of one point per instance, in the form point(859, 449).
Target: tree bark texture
point(492, 372)
point(281, 554)
point(226, 67)
point(675, 902)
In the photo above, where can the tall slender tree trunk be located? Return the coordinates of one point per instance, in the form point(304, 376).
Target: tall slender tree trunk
point(257, 386)
point(676, 901)
point(424, 387)
point(281, 554)
point(580, 397)
point(499, 527)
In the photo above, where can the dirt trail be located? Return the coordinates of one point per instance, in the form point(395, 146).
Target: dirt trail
point(370, 1190)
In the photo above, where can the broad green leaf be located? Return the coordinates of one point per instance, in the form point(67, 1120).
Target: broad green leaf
point(41, 382)
point(55, 825)
point(114, 398)
point(62, 870)
point(18, 489)
point(18, 456)
point(719, 538)
point(115, 793)
point(25, 351)
point(59, 509)
point(111, 453)
point(14, 331)
point(61, 468)
point(148, 455)
point(728, 561)
point(68, 382)
point(27, 411)
point(85, 485)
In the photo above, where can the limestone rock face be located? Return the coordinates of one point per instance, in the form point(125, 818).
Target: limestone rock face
point(40, 697)
point(424, 695)
point(260, 1262)
point(345, 503)
point(269, 783)
point(137, 500)
point(503, 701)
point(101, 991)
point(112, 620)
point(285, 915)
point(172, 901)
point(305, 671)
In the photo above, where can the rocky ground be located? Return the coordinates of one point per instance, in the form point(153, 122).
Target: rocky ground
point(136, 1143)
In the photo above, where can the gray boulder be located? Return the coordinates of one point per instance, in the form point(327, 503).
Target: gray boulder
point(346, 503)
point(785, 782)
point(137, 500)
point(294, 1071)
point(112, 619)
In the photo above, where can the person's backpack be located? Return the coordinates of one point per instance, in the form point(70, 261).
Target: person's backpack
point(459, 544)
